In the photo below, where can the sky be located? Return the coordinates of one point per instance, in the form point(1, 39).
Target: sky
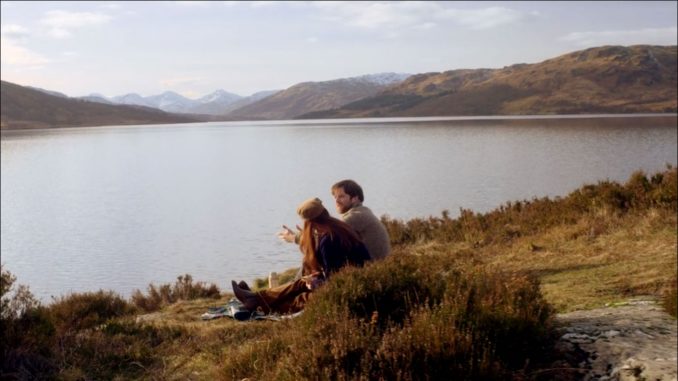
point(197, 47)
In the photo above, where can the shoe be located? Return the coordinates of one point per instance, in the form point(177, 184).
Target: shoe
point(242, 284)
point(249, 299)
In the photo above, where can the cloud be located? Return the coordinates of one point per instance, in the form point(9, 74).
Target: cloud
point(376, 15)
point(112, 6)
point(659, 36)
point(62, 23)
point(483, 18)
point(426, 25)
point(416, 15)
point(13, 54)
point(14, 31)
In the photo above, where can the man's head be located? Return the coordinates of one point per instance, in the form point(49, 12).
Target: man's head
point(347, 194)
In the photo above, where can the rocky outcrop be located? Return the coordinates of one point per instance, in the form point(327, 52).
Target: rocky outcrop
point(633, 341)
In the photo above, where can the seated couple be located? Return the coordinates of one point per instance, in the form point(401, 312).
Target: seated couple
point(327, 245)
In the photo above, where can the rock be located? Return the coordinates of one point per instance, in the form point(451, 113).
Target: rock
point(630, 341)
point(611, 333)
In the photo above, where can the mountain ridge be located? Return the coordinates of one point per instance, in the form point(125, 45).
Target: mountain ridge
point(308, 97)
point(24, 108)
point(608, 79)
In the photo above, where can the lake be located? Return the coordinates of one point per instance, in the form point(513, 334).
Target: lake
point(119, 207)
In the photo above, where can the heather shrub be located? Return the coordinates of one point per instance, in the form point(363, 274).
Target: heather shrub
point(524, 218)
point(26, 330)
point(395, 318)
point(120, 349)
point(14, 302)
point(254, 357)
point(183, 289)
point(664, 191)
point(670, 298)
point(87, 310)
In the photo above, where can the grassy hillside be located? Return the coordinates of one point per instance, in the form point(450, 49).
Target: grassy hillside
point(609, 79)
point(23, 107)
point(471, 297)
point(306, 97)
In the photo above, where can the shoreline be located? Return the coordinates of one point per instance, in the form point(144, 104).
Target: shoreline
point(345, 121)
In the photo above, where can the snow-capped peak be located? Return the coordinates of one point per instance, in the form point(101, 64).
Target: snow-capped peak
point(220, 96)
point(384, 79)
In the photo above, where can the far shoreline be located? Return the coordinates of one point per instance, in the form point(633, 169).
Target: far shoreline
point(347, 121)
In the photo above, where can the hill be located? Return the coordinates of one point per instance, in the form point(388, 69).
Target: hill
point(608, 79)
point(23, 107)
point(308, 97)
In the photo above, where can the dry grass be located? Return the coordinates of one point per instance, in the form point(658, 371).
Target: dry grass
point(183, 289)
point(635, 256)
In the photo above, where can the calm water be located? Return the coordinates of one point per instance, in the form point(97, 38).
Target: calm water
point(121, 207)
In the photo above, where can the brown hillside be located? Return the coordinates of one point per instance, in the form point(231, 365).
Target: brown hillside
point(307, 97)
point(609, 79)
point(27, 108)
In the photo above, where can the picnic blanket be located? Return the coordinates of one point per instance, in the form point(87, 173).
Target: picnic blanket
point(234, 309)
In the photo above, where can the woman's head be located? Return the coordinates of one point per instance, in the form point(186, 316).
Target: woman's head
point(311, 209)
point(317, 223)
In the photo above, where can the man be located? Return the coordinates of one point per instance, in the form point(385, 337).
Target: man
point(348, 200)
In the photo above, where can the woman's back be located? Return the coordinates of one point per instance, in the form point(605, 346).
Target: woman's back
point(332, 254)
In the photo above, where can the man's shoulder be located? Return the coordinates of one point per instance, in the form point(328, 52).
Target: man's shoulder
point(359, 217)
point(358, 212)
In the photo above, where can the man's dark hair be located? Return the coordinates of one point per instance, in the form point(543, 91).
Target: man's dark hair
point(351, 188)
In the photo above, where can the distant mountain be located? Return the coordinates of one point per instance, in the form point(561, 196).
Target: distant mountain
point(171, 102)
point(384, 79)
point(50, 92)
point(220, 96)
point(247, 101)
point(216, 103)
point(23, 107)
point(132, 99)
point(608, 79)
point(98, 98)
point(314, 96)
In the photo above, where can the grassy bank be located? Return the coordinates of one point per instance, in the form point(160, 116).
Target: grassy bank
point(471, 297)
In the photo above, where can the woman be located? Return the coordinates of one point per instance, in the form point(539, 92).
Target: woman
point(327, 245)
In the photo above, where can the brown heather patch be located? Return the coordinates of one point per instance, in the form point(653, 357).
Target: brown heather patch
point(399, 317)
point(166, 294)
point(670, 298)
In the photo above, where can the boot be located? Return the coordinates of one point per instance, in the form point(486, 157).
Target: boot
point(242, 284)
point(248, 298)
